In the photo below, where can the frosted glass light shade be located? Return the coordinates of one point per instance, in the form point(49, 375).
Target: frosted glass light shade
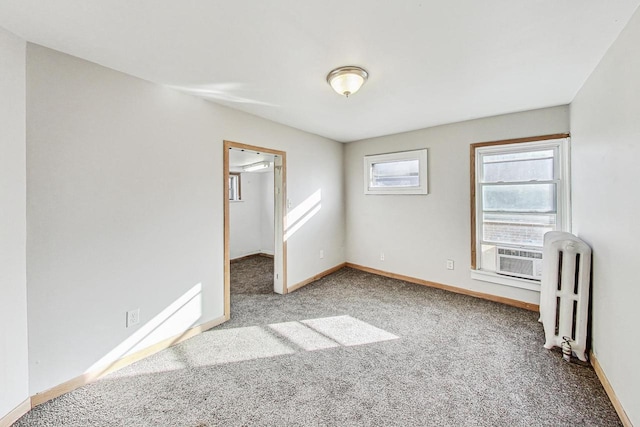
point(347, 80)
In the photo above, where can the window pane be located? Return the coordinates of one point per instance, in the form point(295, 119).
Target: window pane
point(233, 188)
point(519, 198)
point(520, 229)
point(510, 157)
point(522, 170)
point(403, 173)
point(520, 218)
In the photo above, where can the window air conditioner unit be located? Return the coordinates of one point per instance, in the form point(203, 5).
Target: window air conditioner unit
point(524, 263)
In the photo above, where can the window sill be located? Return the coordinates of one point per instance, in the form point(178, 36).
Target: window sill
point(515, 282)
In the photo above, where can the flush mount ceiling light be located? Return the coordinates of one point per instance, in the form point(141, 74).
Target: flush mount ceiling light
point(347, 80)
point(255, 166)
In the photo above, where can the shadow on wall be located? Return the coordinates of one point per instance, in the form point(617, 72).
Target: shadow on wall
point(185, 311)
point(302, 213)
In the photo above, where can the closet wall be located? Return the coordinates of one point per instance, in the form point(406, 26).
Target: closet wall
point(251, 219)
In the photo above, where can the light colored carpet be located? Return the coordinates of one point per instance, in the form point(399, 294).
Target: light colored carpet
point(350, 349)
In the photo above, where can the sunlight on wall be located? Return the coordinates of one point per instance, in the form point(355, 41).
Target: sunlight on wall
point(302, 213)
point(182, 314)
point(223, 346)
point(222, 92)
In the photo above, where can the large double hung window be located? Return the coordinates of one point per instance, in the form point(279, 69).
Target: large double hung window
point(520, 192)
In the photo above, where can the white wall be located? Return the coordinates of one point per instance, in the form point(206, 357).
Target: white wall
point(125, 209)
point(245, 224)
point(605, 129)
point(419, 233)
point(14, 375)
point(251, 226)
point(267, 238)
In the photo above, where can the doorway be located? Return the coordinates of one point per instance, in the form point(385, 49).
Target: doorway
point(239, 158)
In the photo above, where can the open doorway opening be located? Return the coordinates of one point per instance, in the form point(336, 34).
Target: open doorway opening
point(254, 208)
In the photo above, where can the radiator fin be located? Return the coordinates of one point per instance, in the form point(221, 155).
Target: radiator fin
point(559, 270)
point(574, 320)
point(576, 276)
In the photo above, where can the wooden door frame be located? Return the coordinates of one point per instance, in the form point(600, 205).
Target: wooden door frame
point(227, 261)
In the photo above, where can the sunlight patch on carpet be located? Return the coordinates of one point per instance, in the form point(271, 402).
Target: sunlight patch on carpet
point(303, 336)
point(349, 331)
point(236, 345)
point(221, 346)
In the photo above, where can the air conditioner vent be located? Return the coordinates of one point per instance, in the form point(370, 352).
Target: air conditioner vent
point(516, 266)
point(520, 253)
point(520, 263)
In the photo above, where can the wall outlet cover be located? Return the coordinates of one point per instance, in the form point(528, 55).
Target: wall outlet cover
point(133, 317)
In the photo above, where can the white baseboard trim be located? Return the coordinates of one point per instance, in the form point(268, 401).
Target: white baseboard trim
point(15, 414)
point(92, 376)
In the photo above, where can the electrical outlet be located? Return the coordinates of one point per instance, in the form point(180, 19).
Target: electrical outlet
point(133, 317)
point(381, 256)
point(449, 264)
point(321, 253)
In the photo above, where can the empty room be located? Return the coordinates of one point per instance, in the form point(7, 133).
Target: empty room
point(414, 213)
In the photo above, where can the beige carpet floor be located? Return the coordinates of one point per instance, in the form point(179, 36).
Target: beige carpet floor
point(352, 349)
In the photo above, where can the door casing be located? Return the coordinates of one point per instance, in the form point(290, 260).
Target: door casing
point(280, 198)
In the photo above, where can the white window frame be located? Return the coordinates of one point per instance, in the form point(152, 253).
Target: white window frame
point(561, 146)
point(420, 155)
point(237, 192)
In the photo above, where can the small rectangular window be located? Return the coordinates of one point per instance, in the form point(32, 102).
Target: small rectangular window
point(234, 186)
point(396, 173)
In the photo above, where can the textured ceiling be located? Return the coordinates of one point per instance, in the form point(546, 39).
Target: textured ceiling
point(430, 62)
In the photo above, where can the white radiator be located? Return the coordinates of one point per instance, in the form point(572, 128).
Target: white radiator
point(564, 291)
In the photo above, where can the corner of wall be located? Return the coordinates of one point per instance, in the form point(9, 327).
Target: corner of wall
point(604, 131)
point(14, 374)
